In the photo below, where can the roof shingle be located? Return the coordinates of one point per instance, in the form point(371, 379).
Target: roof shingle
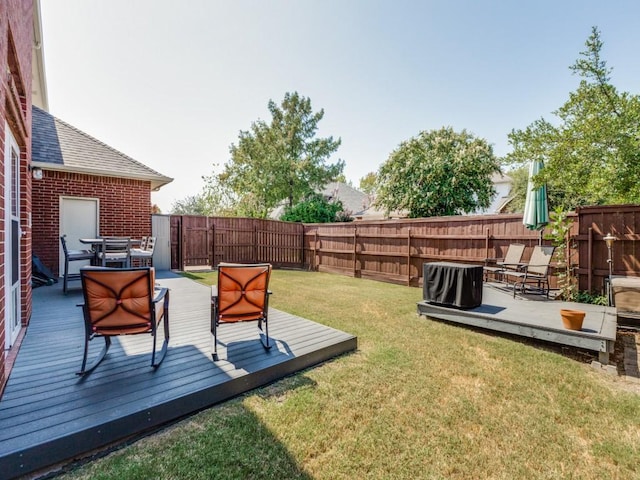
point(60, 146)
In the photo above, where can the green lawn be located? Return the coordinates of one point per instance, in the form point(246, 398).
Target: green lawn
point(419, 399)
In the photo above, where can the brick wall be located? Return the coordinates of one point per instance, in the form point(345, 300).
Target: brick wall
point(125, 208)
point(16, 33)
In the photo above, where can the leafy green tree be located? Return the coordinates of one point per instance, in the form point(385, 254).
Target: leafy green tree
point(342, 179)
point(281, 160)
point(191, 205)
point(369, 183)
point(518, 192)
point(215, 199)
point(592, 150)
point(315, 209)
point(440, 172)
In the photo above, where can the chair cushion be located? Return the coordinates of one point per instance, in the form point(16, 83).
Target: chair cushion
point(118, 301)
point(626, 293)
point(242, 292)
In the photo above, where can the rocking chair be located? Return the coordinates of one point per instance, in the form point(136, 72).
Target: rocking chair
point(122, 301)
point(241, 295)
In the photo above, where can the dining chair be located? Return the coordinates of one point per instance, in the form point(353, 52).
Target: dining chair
point(115, 251)
point(145, 253)
point(72, 256)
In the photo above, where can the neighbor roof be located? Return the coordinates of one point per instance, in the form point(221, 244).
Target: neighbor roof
point(56, 145)
point(353, 200)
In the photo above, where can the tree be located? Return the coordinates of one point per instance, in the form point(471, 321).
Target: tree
point(592, 153)
point(191, 205)
point(315, 209)
point(369, 184)
point(215, 199)
point(440, 172)
point(518, 192)
point(342, 179)
point(281, 160)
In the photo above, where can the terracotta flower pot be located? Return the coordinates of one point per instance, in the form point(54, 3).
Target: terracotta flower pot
point(572, 319)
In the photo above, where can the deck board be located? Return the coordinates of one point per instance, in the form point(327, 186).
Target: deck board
point(49, 415)
point(532, 316)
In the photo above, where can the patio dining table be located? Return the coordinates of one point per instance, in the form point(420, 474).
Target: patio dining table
point(97, 242)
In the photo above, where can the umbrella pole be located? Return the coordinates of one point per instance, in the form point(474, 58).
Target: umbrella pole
point(540, 239)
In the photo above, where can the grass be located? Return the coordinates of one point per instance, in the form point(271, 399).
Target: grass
point(419, 399)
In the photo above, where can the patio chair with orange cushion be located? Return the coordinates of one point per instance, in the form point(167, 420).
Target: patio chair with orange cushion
point(242, 294)
point(122, 301)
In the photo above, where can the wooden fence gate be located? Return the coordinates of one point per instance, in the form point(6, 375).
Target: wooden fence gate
point(205, 242)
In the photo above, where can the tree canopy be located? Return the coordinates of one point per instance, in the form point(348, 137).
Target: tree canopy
point(369, 184)
point(215, 199)
point(315, 209)
point(281, 160)
point(592, 151)
point(439, 172)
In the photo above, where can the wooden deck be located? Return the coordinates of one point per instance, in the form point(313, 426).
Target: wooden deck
point(48, 415)
point(533, 316)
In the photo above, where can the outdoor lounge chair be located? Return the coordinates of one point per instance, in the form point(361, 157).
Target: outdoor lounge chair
point(536, 271)
point(241, 295)
point(122, 302)
point(511, 261)
point(72, 256)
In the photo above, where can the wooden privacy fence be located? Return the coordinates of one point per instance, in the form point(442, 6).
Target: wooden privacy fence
point(395, 250)
point(622, 221)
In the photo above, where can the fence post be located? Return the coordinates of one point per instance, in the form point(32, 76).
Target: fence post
point(408, 256)
point(208, 242)
point(486, 245)
point(302, 249)
point(355, 251)
point(589, 260)
point(183, 239)
point(316, 260)
point(255, 243)
point(213, 244)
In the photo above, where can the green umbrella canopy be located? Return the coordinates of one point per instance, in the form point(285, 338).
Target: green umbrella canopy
point(536, 206)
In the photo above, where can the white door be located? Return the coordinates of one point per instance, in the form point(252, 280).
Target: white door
point(12, 236)
point(78, 219)
point(161, 229)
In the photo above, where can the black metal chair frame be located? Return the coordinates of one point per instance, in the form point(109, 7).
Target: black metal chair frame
point(216, 312)
point(72, 256)
point(155, 296)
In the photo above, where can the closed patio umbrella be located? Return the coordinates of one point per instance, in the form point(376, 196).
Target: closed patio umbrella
point(536, 206)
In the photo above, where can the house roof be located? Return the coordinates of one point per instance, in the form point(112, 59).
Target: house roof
point(56, 145)
point(353, 200)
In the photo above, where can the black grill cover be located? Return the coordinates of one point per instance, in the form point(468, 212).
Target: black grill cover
point(452, 284)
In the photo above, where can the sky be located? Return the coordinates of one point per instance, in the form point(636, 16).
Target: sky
point(171, 83)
